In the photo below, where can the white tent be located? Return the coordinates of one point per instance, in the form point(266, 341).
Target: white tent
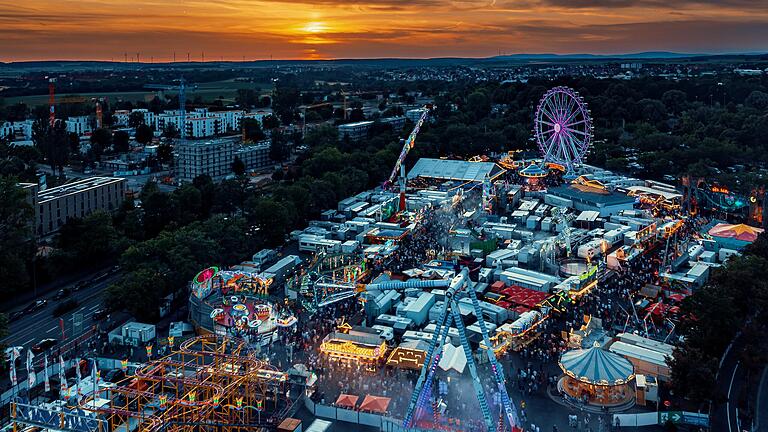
point(453, 358)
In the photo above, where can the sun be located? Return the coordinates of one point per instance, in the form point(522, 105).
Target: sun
point(315, 27)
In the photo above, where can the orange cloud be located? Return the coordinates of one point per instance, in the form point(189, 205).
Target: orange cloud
point(300, 29)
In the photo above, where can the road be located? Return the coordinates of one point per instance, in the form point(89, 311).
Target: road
point(730, 379)
point(31, 328)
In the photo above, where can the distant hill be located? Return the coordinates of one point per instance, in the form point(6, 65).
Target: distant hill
point(63, 65)
point(640, 55)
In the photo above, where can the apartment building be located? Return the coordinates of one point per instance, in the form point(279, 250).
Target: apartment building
point(54, 206)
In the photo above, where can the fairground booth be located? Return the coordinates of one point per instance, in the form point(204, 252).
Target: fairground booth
point(594, 376)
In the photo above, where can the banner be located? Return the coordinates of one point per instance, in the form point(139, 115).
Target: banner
point(77, 374)
point(45, 374)
point(63, 376)
point(14, 355)
point(30, 369)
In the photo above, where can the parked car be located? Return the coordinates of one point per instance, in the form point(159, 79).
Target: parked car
point(61, 294)
point(36, 305)
point(44, 345)
point(100, 314)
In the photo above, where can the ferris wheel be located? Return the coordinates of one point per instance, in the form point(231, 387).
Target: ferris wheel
point(563, 128)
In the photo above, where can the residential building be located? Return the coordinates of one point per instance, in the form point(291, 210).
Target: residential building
point(6, 129)
point(355, 131)
point(397, 123)
point(121, 117)
point(211, 157)
point(255, 156)
point(415, 114)
point(77, 199)
point(201, 127)
point(79, 125)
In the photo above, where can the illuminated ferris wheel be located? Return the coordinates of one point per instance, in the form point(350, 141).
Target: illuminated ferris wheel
point(563, 128)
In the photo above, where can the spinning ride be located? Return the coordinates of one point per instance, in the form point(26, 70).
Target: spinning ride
point(563, 129)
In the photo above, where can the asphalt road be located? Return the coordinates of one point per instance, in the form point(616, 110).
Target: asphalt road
point(730, 379)
point(29, 329)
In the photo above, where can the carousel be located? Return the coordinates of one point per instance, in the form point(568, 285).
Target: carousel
point(594, 376)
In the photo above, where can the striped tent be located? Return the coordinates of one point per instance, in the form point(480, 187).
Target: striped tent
point(596, 366)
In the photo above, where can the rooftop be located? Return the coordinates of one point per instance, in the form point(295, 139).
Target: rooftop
point(583, 194)
point(76, 187)
point(455, 170)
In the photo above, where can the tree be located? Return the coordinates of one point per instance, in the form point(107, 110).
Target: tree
point(101, 139)
point(136, 119)
point(270, 218)
point(16, 246)
point(170, 131)
point(120, 141)
point(88, 242)
point(757, 100)
point(52, 141)
point(270, 122)
point(252, 130)
point(278, 148)
point(165, 153)
point(144, 134)
point(238, 167)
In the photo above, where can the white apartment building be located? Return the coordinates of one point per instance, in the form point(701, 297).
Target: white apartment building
point(121, 117)
point(6, 129)
point(79, 125)
point(201, 127)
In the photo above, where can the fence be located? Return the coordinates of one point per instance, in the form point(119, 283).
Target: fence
point(384, 423)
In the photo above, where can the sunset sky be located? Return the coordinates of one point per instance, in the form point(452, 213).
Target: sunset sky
point(315, 29)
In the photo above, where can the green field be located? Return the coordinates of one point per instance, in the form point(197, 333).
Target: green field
point(208, 91)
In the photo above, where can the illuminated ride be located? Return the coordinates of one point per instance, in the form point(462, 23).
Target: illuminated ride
point(399, 166)
point(330, 278)
point(210, 381)
point(563, 129)
point(421, 399)
point(236, 304)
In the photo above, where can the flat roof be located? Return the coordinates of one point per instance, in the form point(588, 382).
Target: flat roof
point(445, 169)
point(75, 187)
point(638, 352)
point(607, 197)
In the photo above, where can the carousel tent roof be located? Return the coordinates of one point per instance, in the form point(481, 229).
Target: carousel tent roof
point(533, 170)
point(597, 366)
point(738, 231)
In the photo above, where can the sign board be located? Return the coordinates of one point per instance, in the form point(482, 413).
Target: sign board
point(683, 417)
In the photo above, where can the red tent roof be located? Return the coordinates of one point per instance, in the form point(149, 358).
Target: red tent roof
point(376, 404)
point(347, 401)
point(739, 232)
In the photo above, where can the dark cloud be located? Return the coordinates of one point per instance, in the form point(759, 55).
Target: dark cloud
point(712, 4)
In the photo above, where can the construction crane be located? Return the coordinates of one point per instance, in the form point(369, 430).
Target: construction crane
point(399, 167)
point(181, 87)
point(52, 100)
